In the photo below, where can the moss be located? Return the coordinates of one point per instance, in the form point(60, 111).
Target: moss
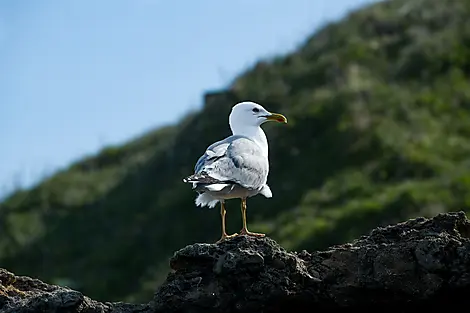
point(11, 291)
point(7, 288)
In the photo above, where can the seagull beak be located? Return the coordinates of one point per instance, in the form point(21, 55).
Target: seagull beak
point(276, 117)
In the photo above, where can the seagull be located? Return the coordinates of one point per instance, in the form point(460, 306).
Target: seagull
point(236, 167)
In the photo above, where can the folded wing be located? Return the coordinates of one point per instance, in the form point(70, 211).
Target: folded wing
point(236, 160)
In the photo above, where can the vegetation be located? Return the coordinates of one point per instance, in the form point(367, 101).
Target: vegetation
point(379, 126)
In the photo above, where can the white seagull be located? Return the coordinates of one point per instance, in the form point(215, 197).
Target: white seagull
point(237, 166)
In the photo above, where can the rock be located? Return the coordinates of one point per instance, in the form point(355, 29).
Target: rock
point(239, 274)
point(19, 294)
point(415, 265)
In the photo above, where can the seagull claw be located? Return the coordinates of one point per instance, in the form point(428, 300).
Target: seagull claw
point(249, 233)
point(225, 236)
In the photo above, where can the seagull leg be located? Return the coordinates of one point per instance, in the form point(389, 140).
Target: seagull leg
point(222, 215)
point(244, 230)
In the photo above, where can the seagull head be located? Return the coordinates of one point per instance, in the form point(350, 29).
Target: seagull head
point(245, 114)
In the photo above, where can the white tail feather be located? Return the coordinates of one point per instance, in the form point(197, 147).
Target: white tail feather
point(266, 191)
point(206, 200)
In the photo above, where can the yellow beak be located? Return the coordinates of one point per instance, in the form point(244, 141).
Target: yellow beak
point(276, 117)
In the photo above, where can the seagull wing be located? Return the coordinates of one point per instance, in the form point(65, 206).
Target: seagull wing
point(235, 159)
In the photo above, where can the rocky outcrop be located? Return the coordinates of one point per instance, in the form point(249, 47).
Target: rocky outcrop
point(419, 263)
point(19, 294)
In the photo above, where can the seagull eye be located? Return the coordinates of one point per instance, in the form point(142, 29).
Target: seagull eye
point(256, 110)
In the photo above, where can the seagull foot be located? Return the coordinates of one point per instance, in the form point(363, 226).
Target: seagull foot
point(225, 236)
point(249, 233)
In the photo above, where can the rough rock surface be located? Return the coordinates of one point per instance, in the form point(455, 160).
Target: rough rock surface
point(413, 265)
point(20, 294)
point(416, 264)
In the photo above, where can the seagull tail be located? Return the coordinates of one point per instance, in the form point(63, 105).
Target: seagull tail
point(266, 191)
point(205, 199)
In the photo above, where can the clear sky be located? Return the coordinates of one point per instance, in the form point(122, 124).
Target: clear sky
point(76, 75)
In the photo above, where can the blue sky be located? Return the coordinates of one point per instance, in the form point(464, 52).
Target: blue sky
point(76, 75)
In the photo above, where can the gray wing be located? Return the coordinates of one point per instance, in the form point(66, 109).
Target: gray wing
point(212, 153)
point(235, 159)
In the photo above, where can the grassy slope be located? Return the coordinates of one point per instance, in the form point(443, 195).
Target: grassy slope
point(379, 121)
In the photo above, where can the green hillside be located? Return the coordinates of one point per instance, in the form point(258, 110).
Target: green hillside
point(379, 131)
